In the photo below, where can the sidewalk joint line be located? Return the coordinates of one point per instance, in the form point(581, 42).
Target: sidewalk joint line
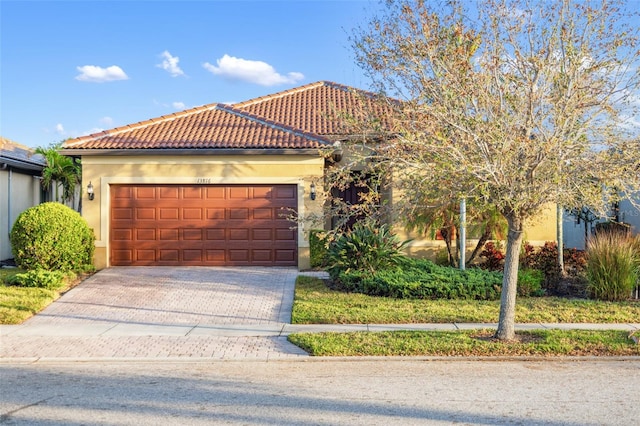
point(108, 330)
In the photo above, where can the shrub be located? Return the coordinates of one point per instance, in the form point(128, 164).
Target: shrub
point(575, 261)
point(493, 257)
point(530, 282)
point(367, 247)
point(422, 279)
point(318, 247)
point(39, 278)
point(612, 266)
point(545, 259)
point(52, 236)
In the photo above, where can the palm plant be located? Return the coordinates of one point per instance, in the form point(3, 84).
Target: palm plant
point(61, 172)
point(487, 223)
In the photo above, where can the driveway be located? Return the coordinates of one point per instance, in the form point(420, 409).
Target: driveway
point(177, 295)
point(152, 312)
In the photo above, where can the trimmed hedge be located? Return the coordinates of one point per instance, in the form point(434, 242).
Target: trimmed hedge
point(52, 236)
point(423, 279)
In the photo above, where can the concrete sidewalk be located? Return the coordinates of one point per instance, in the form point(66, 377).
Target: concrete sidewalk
point(198, 341)
point(267, 330)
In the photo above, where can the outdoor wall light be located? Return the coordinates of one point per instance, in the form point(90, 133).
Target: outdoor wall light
point(90, 192)
point(312, 192)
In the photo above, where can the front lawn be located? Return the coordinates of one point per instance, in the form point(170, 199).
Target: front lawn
point(17, 304)
point(315, 303)
point(539, 343)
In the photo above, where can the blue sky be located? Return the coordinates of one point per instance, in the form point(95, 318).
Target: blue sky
point(69, 68)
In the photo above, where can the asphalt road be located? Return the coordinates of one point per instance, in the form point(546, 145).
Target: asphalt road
point(322, 392)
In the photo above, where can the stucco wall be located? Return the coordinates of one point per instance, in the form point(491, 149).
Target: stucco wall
point(18, 192)
point(268, 169)
point(537, 232)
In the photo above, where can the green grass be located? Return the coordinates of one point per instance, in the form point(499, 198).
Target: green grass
point(539, 343)
point(17, 304)
point(315, 303)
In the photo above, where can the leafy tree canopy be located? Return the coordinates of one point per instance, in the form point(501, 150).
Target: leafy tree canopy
point(512, 104)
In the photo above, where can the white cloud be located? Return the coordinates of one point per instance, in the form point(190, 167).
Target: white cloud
point(257, 72)
point(170, 64)
point(107, 121)
point(59, 129)
point(93, 130)
point(178, 105)
point(95, 74)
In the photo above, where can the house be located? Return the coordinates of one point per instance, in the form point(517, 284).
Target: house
point(20, 187)
point(209, 185)
point(576, 231)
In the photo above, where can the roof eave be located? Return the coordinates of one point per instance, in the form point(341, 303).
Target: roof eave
point(21, 164)
point(186, 151)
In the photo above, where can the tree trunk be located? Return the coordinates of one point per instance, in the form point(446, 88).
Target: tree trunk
point(506, 322)
point(483, 239)
point(446, 236)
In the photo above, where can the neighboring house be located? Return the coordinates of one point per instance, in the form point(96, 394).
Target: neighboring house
point(576, 231)
point(207, 186)
point(20, 188)
point(629, 214)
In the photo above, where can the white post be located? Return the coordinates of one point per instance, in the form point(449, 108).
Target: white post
point(463, 233)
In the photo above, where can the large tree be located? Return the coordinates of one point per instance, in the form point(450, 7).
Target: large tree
point(516, 105)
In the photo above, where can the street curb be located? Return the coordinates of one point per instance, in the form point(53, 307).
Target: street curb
point(50, 360)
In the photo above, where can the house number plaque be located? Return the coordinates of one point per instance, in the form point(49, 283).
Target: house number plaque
point(203, 180)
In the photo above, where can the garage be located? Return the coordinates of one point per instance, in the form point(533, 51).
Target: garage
point(209, 185)
point(202, 225)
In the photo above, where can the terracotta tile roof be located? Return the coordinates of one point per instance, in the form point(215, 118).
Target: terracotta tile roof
point(214, 126)
point(317, 107)
point(307, 117)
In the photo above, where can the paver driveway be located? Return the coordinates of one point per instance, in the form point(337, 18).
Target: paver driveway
point(177, 295)
point(163, 312)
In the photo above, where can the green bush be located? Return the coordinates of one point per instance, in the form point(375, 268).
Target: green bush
point(545, 259)
point(423, 279)
point(39, 278)
point(530, 282)
point(52, 236)
point(367, 247)
point(318, 249)
point(613, 263)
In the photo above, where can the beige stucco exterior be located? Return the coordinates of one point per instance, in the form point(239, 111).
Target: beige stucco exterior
point(537, 232)
point(103, 171)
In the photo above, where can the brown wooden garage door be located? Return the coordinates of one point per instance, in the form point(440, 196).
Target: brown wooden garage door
point(214, 225)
